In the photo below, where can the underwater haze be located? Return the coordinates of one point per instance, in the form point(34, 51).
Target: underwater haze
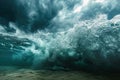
point(60, 34)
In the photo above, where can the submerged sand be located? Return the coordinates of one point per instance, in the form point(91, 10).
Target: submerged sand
point(29, 74)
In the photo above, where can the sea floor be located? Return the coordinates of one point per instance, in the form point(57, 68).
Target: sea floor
point(29, 74)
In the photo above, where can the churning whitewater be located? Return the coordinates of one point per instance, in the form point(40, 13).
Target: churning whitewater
point(60, 34)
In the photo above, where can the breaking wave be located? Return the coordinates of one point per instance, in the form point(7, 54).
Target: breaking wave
point(60, 34)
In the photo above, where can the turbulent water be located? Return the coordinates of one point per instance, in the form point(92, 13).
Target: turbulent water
point(60, 34)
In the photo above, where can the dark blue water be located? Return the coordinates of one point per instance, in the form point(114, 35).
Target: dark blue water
point(60, 34)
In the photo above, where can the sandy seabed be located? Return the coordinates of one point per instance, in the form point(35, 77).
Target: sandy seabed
point(29, 74)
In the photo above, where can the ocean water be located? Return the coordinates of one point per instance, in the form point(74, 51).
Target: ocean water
point(60, 34)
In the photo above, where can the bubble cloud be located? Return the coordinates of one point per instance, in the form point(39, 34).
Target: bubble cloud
point(60, 34)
